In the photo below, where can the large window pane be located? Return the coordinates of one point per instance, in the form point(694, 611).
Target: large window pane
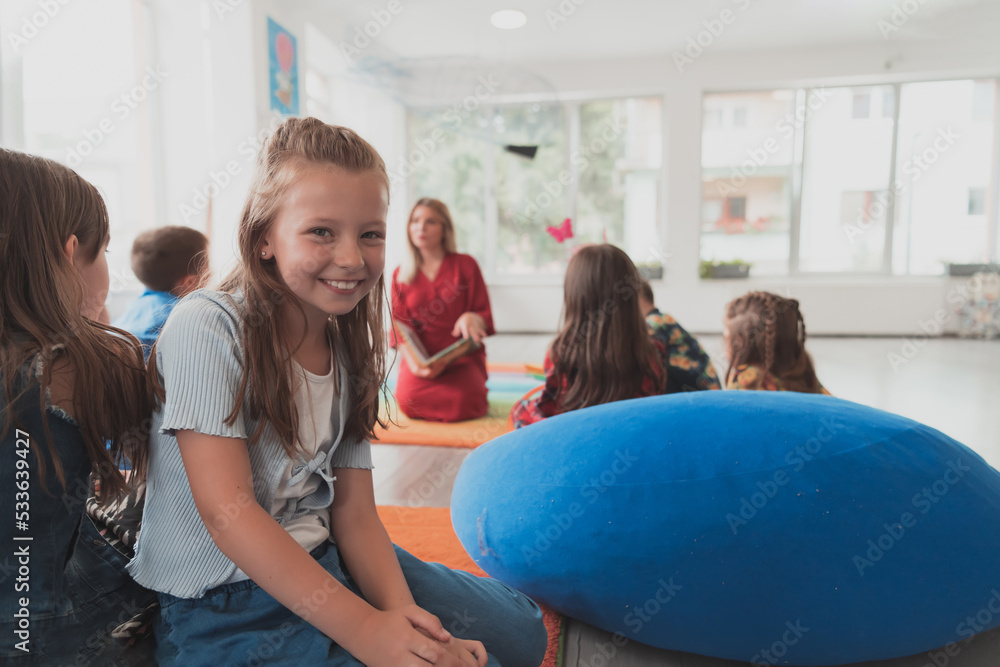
point(845, 182)
point(537, 164)
point(87, 104)
point(747, 151)
point(532, 193)
point(448, 165)
point(943, 172)
point(618, 162)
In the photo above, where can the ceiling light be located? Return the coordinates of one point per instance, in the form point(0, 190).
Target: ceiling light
point(508, 19)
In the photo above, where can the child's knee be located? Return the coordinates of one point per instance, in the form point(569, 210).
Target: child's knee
point(530, 638)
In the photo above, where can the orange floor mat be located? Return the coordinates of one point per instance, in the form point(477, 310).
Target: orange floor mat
point(468, 434)
point(426, 533)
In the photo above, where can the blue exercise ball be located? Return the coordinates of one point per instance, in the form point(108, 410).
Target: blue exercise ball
point(767, 527)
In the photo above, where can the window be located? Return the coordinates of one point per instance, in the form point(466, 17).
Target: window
point(713, 119)
point(450, 166)
point(863, 204)
point(861, 107)
point(983, 96)
point(512, 171)
point(842, 157)
point(739, 117)
point(532, 193)
point(833, 194)
point(737, 208)
point(943, 152)
point(977, 201)
point(88, 102)
point(888, 102)
point(618, 197)
point(746, 180)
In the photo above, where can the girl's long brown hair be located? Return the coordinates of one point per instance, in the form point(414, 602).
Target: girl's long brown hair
point(414, 260)
point(42, 204)
point(603, 349)
point(358, 335)
point(768, 331)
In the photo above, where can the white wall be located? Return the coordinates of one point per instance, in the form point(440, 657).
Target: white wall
point(205, 120)
point(831, 305)
point(367, 110)
point(216, 110)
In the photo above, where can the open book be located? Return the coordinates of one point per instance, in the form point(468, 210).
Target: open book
point(417, 353)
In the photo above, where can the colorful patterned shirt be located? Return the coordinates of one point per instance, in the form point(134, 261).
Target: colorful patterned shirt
point(746, 376)
point(546, 404)
point(689, 367)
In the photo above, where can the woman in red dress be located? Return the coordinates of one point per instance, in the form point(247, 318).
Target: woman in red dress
point(442, 296)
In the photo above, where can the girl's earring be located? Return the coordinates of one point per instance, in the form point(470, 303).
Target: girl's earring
point(263, 253)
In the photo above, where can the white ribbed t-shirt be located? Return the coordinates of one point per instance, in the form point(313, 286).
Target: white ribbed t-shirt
point(200, 361)
point(316, 405)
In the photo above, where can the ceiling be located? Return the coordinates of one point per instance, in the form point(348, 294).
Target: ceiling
point(562, 30)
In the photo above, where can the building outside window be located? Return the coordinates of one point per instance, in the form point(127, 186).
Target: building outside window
point(882, 179)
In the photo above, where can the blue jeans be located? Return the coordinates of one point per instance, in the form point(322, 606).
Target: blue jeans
point(240, 624)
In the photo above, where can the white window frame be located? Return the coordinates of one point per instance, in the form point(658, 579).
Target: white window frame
point(798, 163)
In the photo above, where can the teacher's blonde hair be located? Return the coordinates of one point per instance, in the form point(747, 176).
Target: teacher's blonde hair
point(413, 261)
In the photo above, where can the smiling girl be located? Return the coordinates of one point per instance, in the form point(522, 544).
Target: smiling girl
point(260, 531)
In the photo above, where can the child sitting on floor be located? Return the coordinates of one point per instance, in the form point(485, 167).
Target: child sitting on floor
point(765, 336)
point(689, 367)
point(260, 517)
point(171, 262)
point(603, 352)
point(73, 402)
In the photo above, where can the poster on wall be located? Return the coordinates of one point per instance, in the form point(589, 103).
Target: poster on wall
point(284, 69)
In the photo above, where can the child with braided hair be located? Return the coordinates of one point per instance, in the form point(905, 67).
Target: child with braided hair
point(764, 335)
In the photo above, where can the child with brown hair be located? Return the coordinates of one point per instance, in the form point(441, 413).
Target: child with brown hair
point(72, 404)
point(171, 262)
point(603, 353)
point(260, 531)
point(689, 368)
point(765, 337)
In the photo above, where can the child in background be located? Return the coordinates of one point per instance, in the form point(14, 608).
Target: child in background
point(171, 262)
point(688, 366)
point(260, 531)
point(603, 352)
point(765, 337)
point(68, 386)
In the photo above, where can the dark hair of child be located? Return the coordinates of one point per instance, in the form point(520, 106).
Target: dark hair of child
point(767, 330)
point(646, 291)
point(603, 349)
point(164, 256)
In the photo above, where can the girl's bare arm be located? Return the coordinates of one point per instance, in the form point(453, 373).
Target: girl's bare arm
point(218, 469)
point(371, 559)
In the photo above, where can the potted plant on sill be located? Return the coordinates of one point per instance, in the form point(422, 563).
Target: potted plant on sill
point(964, 270)
point(714, 270)
point(650, 270)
